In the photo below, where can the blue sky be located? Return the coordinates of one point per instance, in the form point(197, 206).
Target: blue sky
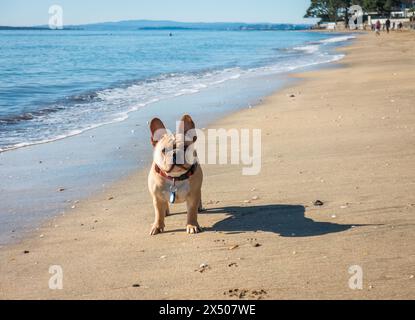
point(35, 12)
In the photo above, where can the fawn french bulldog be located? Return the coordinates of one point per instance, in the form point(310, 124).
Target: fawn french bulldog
point(175, 176)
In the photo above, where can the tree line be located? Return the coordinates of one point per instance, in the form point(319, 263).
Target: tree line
point(334, 10)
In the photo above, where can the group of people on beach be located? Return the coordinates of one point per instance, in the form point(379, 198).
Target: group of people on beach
point(378, 26)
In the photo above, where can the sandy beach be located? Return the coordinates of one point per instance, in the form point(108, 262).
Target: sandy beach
point(343, 135)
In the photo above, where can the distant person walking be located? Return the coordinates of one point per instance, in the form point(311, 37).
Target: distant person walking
point(388, 25)
point(377, 27)
point(400, 26)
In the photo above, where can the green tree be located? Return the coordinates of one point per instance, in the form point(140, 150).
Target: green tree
point(334, 10)
point(327, 10)
point(382, 6)
point(390, 4)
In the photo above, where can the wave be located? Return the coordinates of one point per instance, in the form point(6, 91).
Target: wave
point(313, 47)
point(308, 48)
point(77, 114)
point(27, 116)
point(338, 39)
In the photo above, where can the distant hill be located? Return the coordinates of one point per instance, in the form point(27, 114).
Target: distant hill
point(132, 25)
point(22, 28)
point(174, 25)
point(44, 28)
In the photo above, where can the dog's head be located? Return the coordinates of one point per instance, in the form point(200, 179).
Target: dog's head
point(175, 154)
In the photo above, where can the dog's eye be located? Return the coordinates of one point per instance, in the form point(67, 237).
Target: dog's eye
point(164, 151)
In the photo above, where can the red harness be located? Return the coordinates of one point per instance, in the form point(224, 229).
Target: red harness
point(183, 177)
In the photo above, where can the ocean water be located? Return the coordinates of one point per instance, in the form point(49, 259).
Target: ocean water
point(56, 84)
point(91, 94)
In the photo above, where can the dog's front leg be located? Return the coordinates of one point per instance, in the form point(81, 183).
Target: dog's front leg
point(193, 204)
point(201, 209)
point(160, 208)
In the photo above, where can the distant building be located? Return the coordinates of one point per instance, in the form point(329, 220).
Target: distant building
point(403, 10)
point(404, 13)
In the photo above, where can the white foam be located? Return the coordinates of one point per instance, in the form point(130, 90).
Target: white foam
point(309, 48)
point(315, 47)
point(338, 39)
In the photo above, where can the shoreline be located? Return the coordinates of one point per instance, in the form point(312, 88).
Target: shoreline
point(104, 247)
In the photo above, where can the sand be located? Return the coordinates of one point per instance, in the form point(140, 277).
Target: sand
point(346, 138)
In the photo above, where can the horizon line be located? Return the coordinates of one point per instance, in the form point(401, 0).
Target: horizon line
point(161, 20)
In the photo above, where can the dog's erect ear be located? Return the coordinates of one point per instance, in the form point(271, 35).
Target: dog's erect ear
point(187, 125)
point(158, 130)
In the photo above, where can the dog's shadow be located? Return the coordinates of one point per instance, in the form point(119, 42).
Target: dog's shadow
point(285, 220)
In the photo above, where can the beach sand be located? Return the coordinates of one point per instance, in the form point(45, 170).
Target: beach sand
point(343, 135)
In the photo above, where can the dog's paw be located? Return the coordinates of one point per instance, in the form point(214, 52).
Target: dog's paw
point(156, 229)
point(193, 229)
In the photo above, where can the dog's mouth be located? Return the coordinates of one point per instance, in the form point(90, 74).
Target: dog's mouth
point(178, 169)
